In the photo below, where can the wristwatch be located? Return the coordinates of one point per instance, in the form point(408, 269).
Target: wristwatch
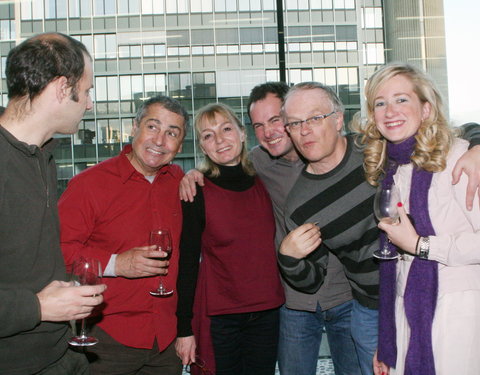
point(424, 247)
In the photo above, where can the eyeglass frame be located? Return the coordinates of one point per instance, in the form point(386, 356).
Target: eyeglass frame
point(299, 123)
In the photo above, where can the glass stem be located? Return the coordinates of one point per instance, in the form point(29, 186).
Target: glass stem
point(161, 288)
point(83, 331)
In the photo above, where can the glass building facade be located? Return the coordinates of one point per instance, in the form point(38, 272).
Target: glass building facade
point(198, 51)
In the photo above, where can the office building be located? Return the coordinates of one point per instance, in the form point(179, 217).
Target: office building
point(197, 51)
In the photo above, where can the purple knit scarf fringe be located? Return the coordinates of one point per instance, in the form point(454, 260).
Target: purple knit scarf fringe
point(422, 283)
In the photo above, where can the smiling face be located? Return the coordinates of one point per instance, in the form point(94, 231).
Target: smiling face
point(221, 139)
point(269, 127)
point(397, 110)
point(156, 139)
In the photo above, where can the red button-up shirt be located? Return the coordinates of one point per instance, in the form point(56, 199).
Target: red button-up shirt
point(111, 208)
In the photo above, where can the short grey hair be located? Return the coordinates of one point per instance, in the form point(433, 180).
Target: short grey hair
point(332, 95)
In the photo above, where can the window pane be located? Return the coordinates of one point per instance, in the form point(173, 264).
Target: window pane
point(125, 88)
point(112, 83)
point(100, 89)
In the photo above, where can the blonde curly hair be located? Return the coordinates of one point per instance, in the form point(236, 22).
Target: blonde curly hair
point(434, 136)
point(207, 114)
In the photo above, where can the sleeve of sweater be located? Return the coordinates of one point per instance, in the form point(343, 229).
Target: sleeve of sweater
point(307, 274)
point(19, 311)
point(190, 246)
point(19, 306)
point(471, 133)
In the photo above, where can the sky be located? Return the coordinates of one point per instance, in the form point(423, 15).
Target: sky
point(462, 29)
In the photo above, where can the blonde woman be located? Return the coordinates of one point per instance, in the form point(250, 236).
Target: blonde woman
point(429, 297)
point(230, 224)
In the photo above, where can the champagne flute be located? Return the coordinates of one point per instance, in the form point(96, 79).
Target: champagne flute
point(85, 271)
point(385, 209)
point(162, 240)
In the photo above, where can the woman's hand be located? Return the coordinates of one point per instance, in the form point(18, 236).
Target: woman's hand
point(402, 234)
point(185, 348)
point(379, 368)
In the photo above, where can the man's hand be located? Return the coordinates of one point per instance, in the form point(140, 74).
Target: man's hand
point(188, 188)
point(185, 348)
point(301, 241)
point(61, 301)
point(469, 163)
point(141, 262)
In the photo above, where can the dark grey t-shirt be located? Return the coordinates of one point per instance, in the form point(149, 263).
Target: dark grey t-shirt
point(279, 176)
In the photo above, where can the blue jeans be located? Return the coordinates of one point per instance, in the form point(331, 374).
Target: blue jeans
point(301, 335)
point(365, 335)
point(246, 343)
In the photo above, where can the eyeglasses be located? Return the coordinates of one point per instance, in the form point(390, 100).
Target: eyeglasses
point(295, 126)
point(200, 363)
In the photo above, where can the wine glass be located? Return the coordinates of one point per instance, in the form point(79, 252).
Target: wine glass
point(85, 271)
point(162, 240)
point(385, 209)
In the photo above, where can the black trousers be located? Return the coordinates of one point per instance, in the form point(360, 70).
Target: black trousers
point(245, 344)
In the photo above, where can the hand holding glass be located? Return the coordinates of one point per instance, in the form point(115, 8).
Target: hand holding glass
point(85, 271)
point(385, 208)
point(162, 240)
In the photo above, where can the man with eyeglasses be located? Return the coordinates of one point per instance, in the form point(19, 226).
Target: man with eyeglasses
point(332, 196)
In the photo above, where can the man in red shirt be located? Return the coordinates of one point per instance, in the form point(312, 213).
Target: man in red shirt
point(107, 212)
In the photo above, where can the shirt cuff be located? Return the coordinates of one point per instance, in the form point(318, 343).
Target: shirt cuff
point(110, 268)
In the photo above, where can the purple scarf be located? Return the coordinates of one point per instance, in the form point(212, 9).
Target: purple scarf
point(422, 283)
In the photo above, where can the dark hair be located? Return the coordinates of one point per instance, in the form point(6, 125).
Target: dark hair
point(37, 61)
point(261, 91)
point(2, 109)
point(168, 103)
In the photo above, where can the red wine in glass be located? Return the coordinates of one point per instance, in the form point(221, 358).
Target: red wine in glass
point(162, 240)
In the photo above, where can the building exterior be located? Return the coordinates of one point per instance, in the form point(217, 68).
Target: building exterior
point(197, 51)
point(416, 34)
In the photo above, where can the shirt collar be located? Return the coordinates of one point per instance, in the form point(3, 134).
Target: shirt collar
point(26, 148)
point(127, 171)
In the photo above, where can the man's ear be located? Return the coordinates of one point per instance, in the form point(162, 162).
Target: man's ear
point(339, 121)
point(134, 128)
point(62, 89)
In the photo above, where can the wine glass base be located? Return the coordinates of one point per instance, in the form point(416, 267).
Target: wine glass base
point(380, 254)
point(82, 341)
point(161, 293)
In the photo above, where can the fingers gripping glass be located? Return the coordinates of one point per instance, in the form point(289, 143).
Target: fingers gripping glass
point(201, 365)
point(295, 126)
